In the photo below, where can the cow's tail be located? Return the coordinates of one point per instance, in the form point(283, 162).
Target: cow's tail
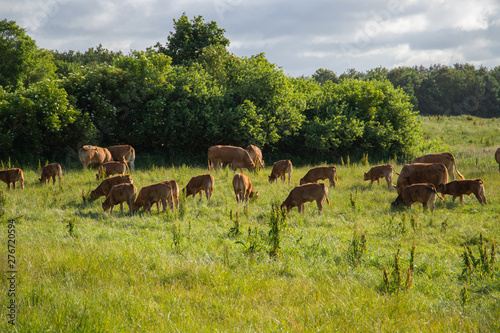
point(397, 173)
point(326, 195)
point(209, 163)
point(458, 172)
point(132, 158)
point(438, 195)
point(126, 166)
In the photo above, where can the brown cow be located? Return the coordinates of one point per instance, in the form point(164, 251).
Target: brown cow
point(256, 156)
point(123, 153)
point(174, 194)
point(381, 171)
point(447, 159)
point(306, 193)
point(280, 169)
point(497, 157)
point(243, 188)
point(200, 183)
point(434, 173)
point(52, 170)
point(111, 168)
point(154, 193)
point(458, 188)
point(94, 156)
point(423, 193)
point(118, 195)
point(320, 173)
point(106, 185)
point(236, 156)
point(12, 176)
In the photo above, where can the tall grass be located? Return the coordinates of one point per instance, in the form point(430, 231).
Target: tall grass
point(203, 269)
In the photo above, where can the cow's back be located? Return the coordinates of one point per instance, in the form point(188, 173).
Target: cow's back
point(434, 173)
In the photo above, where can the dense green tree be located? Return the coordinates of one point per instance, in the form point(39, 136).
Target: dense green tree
point(324, 75)
point(190, 37)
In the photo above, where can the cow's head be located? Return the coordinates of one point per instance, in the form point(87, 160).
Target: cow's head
point(367, 177)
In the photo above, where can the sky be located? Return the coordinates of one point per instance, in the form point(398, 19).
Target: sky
point(300, 37)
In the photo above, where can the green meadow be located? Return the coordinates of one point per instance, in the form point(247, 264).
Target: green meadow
point(222, 267)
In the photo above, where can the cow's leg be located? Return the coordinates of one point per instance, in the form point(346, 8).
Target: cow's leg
point(424, 205)
point(164, 203)
point(121, 207)
point(320, 206)
point(461, 198)
point(378, 181)
point(371, 183)
point(483, 196)
point(454, 197)
point(289, 175)
point(14, 185)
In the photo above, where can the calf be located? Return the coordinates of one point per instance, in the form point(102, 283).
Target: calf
point(52, 170)
point(458, 188)
point(198, 184)
point(106, 185)
point(118, 195)
point(12, 176)
point(381, 171)
point(111, 168)
point(243, 188)
point(154, 193)
point(423, 193)
point(306, 193)
point(174, 190)
point(280, 169)
point(320, 173)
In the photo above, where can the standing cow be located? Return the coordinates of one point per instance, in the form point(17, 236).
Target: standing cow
point(94, 156)
point(381, 171)
point(434, 173)
point(154, 193)
point(423, 193)
point(320, 173)
point(280, 169)
point(118, 195)
point(123, 153)
point(243, 188)
point(457, 188)
point(236, 156)
point(12, 176)
point(447, 159)
point(107, 184)
point(256, 155)
point(306, 193)
point(52, 170)
point(198, 184)
point(111, 168)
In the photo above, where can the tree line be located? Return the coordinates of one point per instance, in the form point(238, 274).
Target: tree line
point(177, 99)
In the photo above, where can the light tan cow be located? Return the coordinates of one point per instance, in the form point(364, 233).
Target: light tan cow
point(235, 156)
point(52, 170)
point(423, 193)
point(306, 193)
point(118, 195)
point(12, 176)
point(106, 185)
point(198, 184)
point(123, 153)
point(154, 193)
point(94, 156)
point(447, 159)
point(434, 173)
point(243, 188)
point(497, 157)
point(111, 168)
point(256, 155)
point(381, 171)
point(280, 169)
point(320, 173)
point(457, 188)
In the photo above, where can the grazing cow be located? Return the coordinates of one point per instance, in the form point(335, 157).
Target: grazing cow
point(173, 199)
point(320, 173)
point(280, 169)
point(94, 156)
point(423, 193)
point(236, 156)
point(256, 156)
point(458, 188)
point(434, 173)
point(154, 193)
point(123, 153)
point(447, 159)
point(306, 193)
point(118, 195)
point(200, 183)
point(381, 171)
point(497, 157)
point(12, 176)
point(111, 168)
point(243, 188)
point(52, 170)
point(106, 185)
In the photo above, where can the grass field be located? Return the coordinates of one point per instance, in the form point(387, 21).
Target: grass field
point(207, 268)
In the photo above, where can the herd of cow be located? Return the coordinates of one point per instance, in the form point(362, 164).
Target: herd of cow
point(420, 181)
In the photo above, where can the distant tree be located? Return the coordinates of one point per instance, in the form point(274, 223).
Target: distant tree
point(189, 38)
point(21, 62)
point(353, 74)
point(324, 75)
